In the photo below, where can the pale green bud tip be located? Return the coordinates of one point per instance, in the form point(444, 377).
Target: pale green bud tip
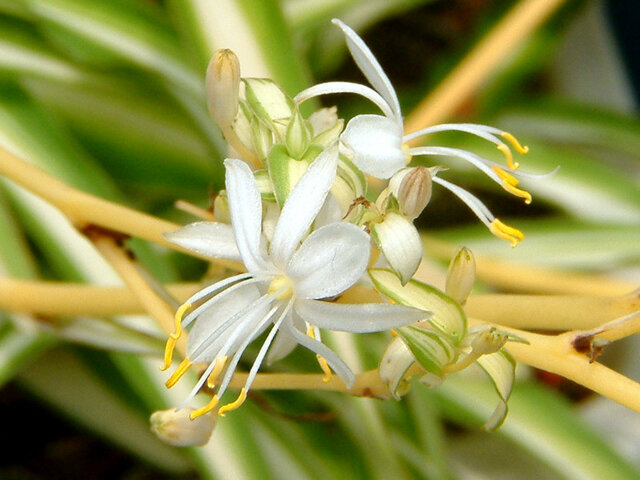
point(461, 275)
point(176, 428)
point(223, 86)
point(487, 341)
point(412, 189)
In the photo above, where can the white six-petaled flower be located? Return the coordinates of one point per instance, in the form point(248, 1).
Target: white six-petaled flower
point(288, 277)
point(380, 148)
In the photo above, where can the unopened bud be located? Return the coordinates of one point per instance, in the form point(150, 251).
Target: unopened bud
point(394, 364)
point(176, 428)
point(221, 208)
point(223, 86)
point(412, 189)
point(298, 135)
point(488, 340)
point(461, 275)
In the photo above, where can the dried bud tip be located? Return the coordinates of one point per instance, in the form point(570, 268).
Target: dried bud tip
point(412, 188)
point(223, 87)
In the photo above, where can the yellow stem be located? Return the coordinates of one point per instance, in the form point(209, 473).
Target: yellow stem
point(481, 62)
point(533, 312)
point(556, 355)
point(133, 277)
point(86, 210)
point(514, 277)
point(547, 312)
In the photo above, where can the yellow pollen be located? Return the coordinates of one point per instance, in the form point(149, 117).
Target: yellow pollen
point(310, 332)
point(281, 283)
point(206, 409)
point(173, 338)
point(233, 405)
point(506, 232)
point(516, 144)
point(217, 370)
point(509, 183)
point(180, 371)
point(509, 156)
point(405, 148)
point(394, 333)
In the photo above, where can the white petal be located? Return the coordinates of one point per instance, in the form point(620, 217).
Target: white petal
point(207, 238)
point(400, 243)
point(329, 213)
point(284, 342)
point(302, 206)
point(219, 329)
point(370, 67)
point(376, 142)
point(245, 206)
point(336, 364)
point(345, 87)
point(329, 261)
point(358, 318)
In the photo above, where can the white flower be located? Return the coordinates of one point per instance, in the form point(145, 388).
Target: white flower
point(380, 149)
point(283, 288)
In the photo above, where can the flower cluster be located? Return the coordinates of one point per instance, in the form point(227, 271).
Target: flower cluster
point(297, 214)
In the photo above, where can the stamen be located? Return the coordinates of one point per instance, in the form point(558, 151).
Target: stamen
point(321, 360)
point(217, 370)
point(506, 232)
point(325, 368)
point(509, 156)
point(180, 371)
point(514, 141)
point(206, 409)
point(173, 338)
point(509, 183)
point(233, 405)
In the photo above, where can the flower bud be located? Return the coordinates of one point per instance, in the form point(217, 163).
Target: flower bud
point(412, 189)
point(176, 428)
point(395, 362)
point(223, 86)
point(461, 275)
point(298, 135)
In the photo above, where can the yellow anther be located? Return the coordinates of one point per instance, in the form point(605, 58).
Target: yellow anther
point(509, 183)
point(321, 360)
point(282, 284)
point(516, 144)
point(213, 403)
point(233, 405)
point(506, 232)
point(509, 156)
point(217, 370)
point(180, 371)
point(325, 368)
point(173, 338)
point(394, 334)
